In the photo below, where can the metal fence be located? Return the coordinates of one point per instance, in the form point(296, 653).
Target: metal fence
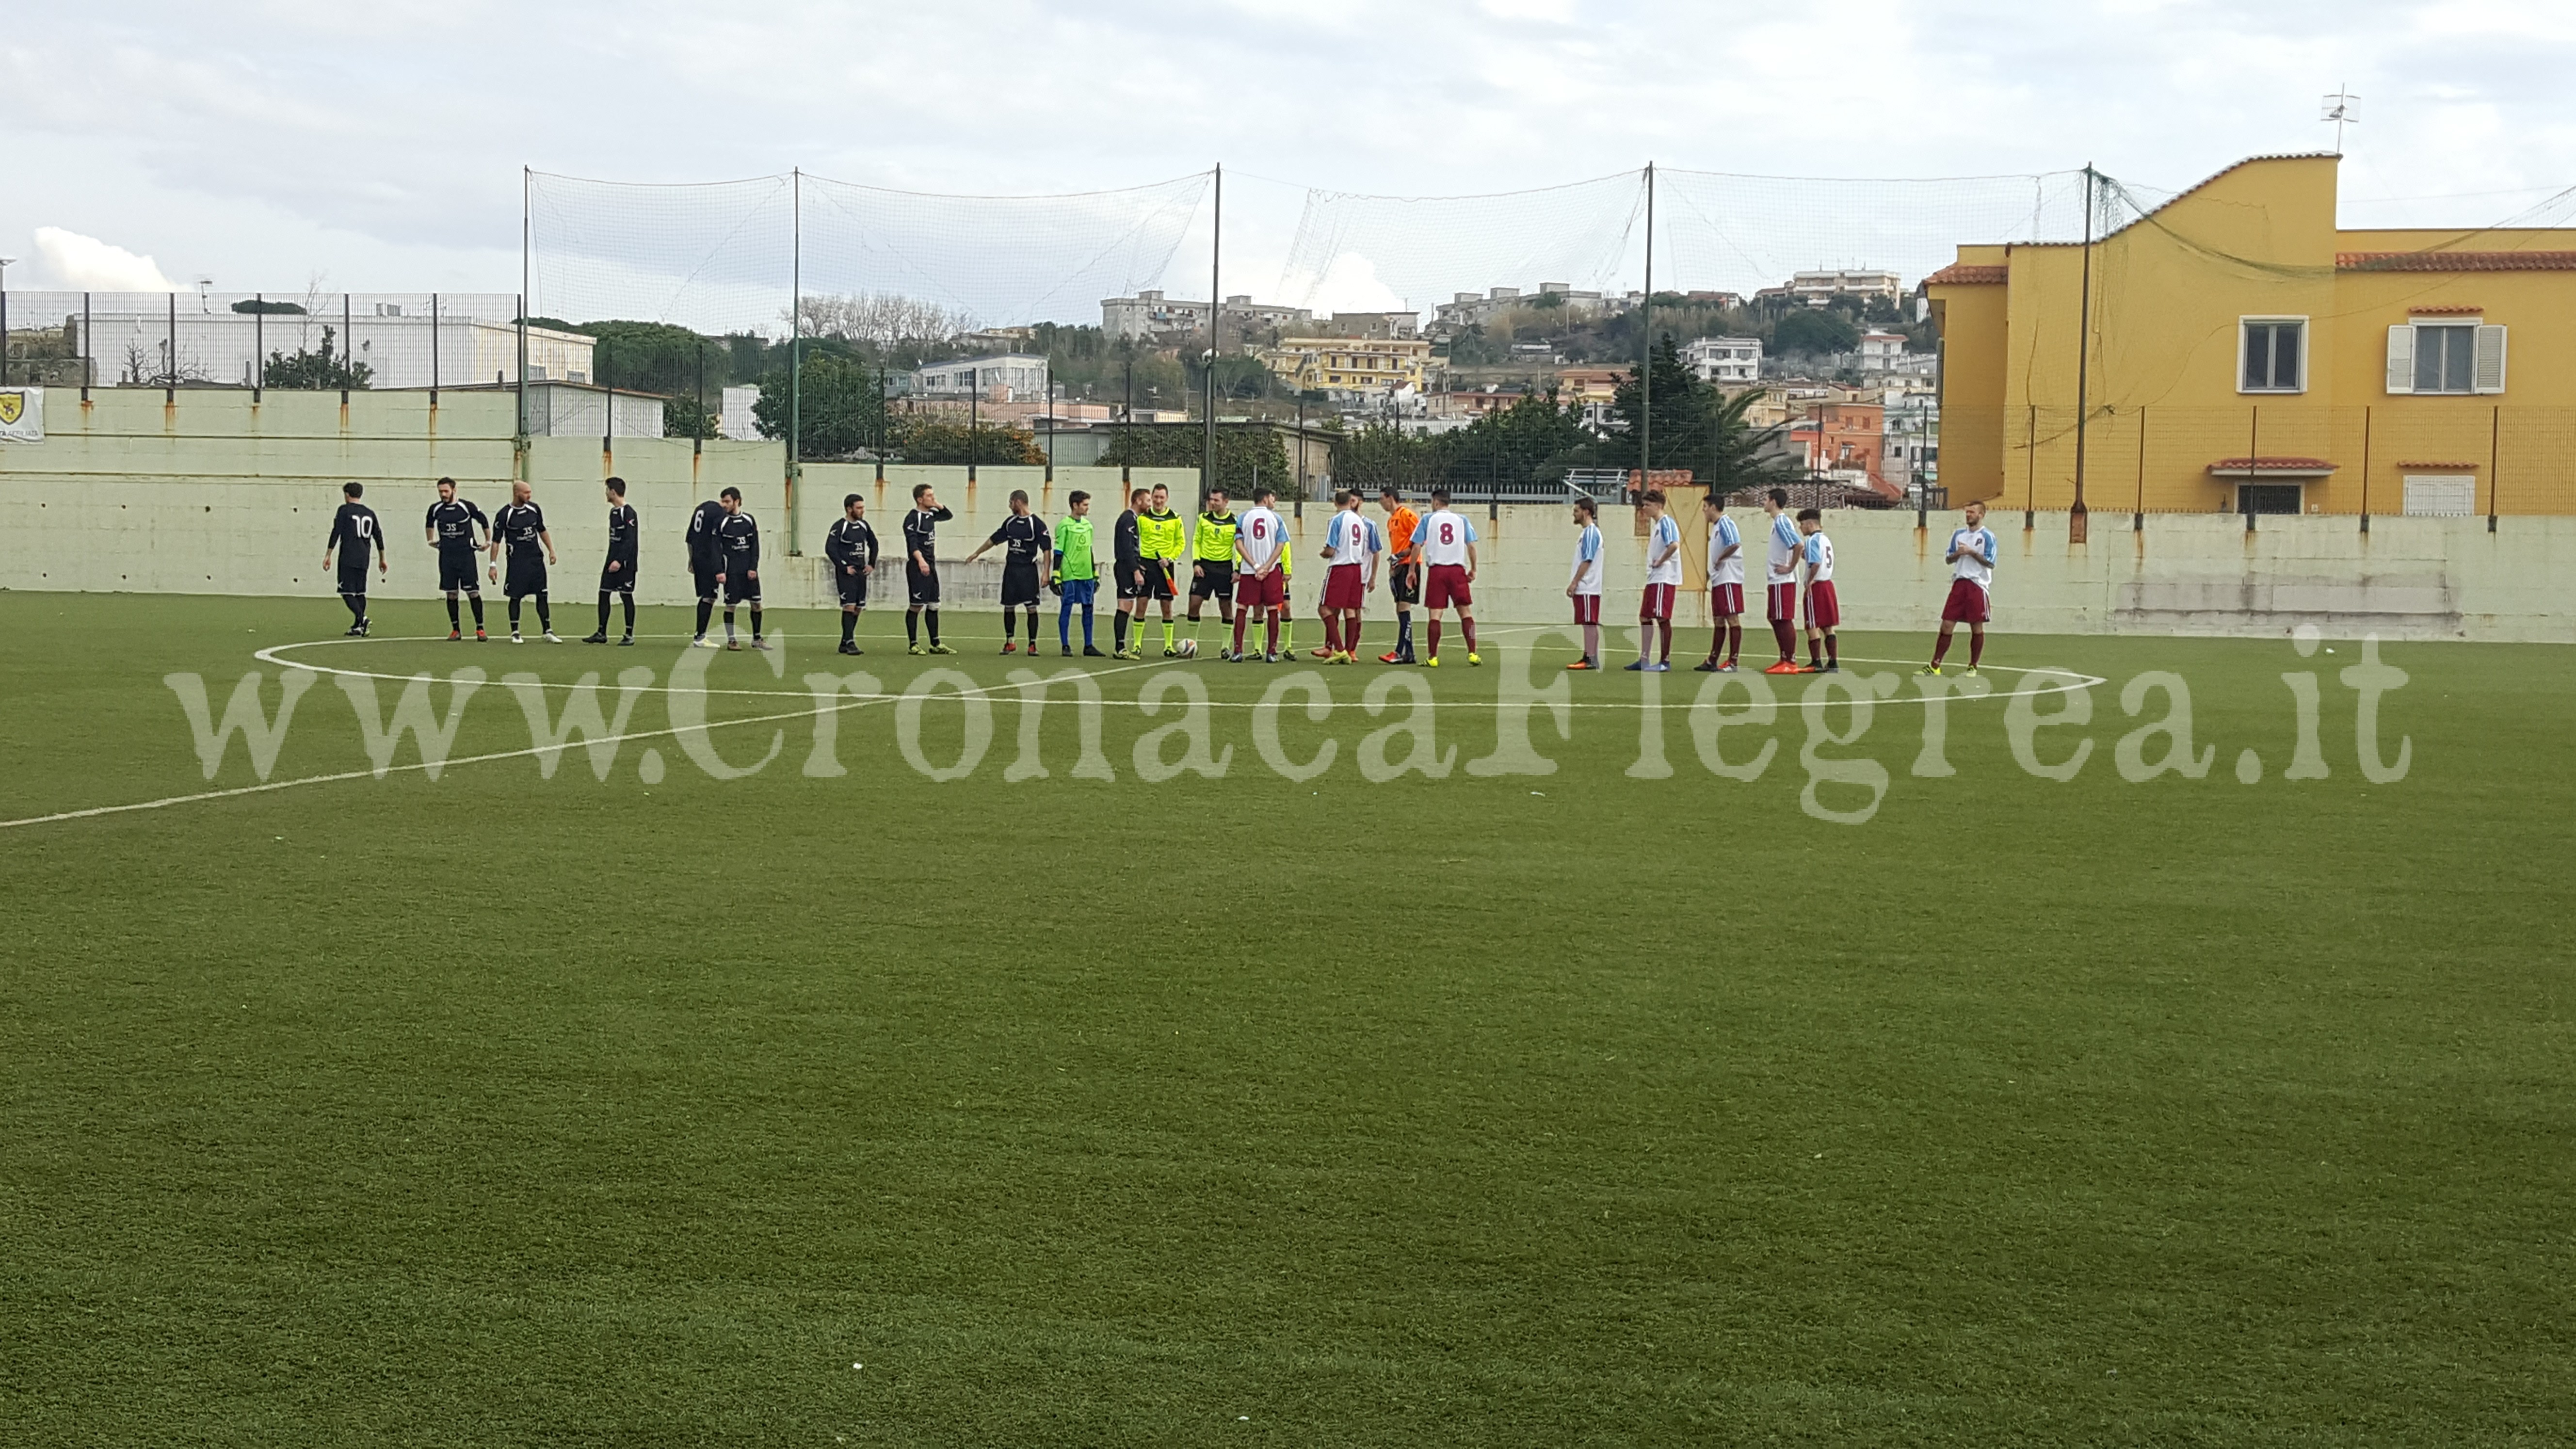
point(305, 341)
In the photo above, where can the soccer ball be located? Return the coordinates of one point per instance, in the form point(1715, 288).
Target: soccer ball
point(1189, 649)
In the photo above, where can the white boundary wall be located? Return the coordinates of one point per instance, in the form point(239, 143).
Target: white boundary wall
point(210, 494)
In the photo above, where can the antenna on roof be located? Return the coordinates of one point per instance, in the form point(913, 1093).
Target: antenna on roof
point(2338, 108)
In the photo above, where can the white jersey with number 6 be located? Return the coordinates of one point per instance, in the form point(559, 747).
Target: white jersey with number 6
point(1443, 538)
point(1262, 535)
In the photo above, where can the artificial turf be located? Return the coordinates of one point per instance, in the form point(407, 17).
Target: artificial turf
point(1564, 1109)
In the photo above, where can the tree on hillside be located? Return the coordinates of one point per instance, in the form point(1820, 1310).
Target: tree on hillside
point(841, 411)
point(1814, 332)
point(1243, 452)
point(315, 369)
point(925, 438)
point(1695, 427)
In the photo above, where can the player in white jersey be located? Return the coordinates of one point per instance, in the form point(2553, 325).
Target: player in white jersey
point(1260, 585)
point(1824, 609)
point(1352, 546)
point(1725, 587)
point(1780, 580)
point(1584, 586)
point(1971, 557)
point(1447, 542)
point(1663, 585)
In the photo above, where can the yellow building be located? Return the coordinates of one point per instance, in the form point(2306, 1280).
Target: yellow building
point(1347, 363)
point(2242, 353)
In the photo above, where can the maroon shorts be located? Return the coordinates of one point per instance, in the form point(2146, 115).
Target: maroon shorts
point(1823, 609)
point(1657, 602)
point(1346, 587)
point(1783, 606)
point(1587, 608)
point(1726, 599)
point(1447, 588)
point(1251, 592)
point(1967, 603)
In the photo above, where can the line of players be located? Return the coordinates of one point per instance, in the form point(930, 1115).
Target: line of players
point(1243, 562)
point(1798, 561)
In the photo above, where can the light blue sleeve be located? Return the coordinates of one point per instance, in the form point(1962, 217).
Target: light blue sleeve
point(1727, 535)
point(1471, 530)
point(1815, 549)
point(1376, 542)
point(1591, 543)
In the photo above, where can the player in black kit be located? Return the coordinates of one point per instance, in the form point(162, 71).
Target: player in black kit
point(456, 529)
point(1023, 537)
point(738, 565)
point(921, 568)
point(355, 534)
point(852, 548)
point(520, 528)
point(702, 563)
point(617, 575)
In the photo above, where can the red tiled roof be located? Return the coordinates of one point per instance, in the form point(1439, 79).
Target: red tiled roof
point(2271, 465)
point(2455, 261)
point(2446, 466)
point(2461, 311)
point(1968, 274)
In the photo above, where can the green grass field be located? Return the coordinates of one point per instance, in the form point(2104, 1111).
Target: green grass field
point(1575, 1109)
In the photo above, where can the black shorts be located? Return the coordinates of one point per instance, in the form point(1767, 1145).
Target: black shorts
point(1019, 585)
point(920, 585)
point(852, 585)
point(619, 581)
point(704, 570)
point(1134, 578)
point(1212, 579)
point(526, 575)
point(1404, 583)
point(353, 576)
point(1158, 578)
point(457, 571)
point(741, 585)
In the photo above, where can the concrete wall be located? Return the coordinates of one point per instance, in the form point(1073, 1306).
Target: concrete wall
point(209, 494)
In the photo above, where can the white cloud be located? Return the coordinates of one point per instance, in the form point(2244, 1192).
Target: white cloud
point(77, 263)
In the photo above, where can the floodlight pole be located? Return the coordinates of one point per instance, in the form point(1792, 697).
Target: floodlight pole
point(2077, 519)
point(1049, 375)
point(527, 193)
point(1127, 427)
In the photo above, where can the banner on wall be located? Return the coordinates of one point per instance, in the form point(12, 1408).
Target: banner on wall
point(22, 414)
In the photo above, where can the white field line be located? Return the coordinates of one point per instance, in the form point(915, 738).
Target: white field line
point(841, 703)
point(272, 655)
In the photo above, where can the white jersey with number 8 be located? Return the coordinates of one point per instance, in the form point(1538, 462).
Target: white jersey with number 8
point(1443, 538)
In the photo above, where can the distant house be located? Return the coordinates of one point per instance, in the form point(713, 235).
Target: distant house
point(1345, 364)
point(1004, 377)
point(1725, 360)
point(1149, 315)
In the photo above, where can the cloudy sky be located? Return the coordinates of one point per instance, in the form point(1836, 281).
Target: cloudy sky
point(379, 146)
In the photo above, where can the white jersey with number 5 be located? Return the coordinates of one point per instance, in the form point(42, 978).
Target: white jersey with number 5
point(1820, 557)
point(1443, 538)
point(1262, 534)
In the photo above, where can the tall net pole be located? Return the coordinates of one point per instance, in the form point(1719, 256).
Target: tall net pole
point(796, 347)
point(1216, 309)
point(527, 198)
point(2077, 519)
point(1646, 363)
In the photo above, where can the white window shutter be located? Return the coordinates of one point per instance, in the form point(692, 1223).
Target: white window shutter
point(2490, 370)
point(2401, 358)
